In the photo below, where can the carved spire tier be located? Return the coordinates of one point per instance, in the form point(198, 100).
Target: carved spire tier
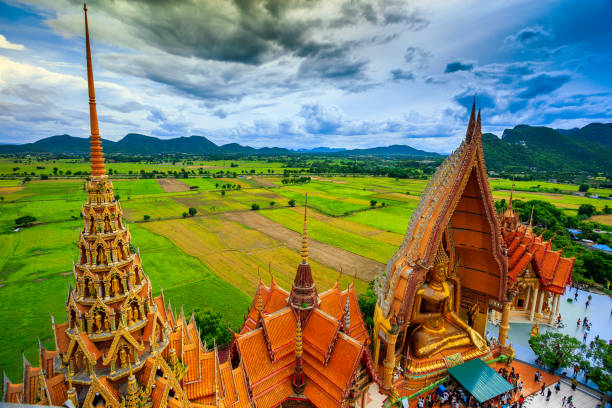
point(304, 298)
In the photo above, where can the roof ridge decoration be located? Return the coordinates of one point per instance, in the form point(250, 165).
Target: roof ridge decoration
point(298, 382)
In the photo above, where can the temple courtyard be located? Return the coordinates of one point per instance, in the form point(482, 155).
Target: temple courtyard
point(598, 314)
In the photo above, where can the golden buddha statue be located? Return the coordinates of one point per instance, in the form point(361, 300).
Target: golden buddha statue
point(91, 288)
point(435, 311)
point(115, 288)
point(535, 330)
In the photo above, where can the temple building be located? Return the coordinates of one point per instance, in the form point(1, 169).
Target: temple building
point(460, 262)
point(119, 346)
point(539, 273)
point(304, 348)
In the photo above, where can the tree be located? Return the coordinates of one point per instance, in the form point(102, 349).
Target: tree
point(146, 217)
point(185, 214)
point(583, 188)
point(25, 221)
point(213, 328)
point(223, 192)
point(586, 209)
point(254, 206)
point(600, 365)
point(557, 350)
point(192, 211)
point(291, 203)
point(367, 304)
point(117, 197)
point(272, 203)
point(373, 203)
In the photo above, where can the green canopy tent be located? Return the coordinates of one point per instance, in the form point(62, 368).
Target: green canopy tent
point(480, 380)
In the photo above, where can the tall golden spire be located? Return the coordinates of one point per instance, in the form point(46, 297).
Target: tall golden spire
point(97, 157)
point(304, 234)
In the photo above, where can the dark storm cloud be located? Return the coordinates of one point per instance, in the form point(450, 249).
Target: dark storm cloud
point(458, 66)
point(528, 36)
point(381, 12)
point(246, 31)
point(543, 84)
point(401, 75)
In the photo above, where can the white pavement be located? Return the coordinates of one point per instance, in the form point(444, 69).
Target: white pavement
point(581, 399)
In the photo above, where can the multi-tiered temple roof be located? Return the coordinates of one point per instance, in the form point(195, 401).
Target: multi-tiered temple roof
point(525, 248)
point(303, 346)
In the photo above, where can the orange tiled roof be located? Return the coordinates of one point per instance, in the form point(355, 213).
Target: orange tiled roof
point(14, 393)
point(330, 359)
point(332, 302)
point(61, 337)
point(57, 389)
point(320, 335)
point(279, 329)
point(524, 248)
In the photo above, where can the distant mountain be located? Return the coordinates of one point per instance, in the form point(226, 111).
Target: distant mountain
point(322, 149)
point(137, 144)
point(594, 133)
point(541, 148)
point(55, 145)
point(393, 150)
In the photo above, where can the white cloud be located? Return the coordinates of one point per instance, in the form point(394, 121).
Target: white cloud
point(6, 44)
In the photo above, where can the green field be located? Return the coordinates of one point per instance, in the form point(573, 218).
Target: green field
point(206, 260)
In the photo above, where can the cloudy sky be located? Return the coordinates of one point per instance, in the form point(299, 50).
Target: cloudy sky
point(304, 73)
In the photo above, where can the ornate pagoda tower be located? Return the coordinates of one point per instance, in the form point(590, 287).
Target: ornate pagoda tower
point(113, 324)
point(119, 346)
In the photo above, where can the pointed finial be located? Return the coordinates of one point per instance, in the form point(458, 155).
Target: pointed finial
point(272, 280)
point(531, 216)
point(470, 128)
point(339, 275)
point(97, 157)
point(477, 129)
point(304, 233)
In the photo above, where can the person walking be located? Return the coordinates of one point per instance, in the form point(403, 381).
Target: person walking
point(585, 337)
point(548, 395)
point(558, 387)
point(521, 401)
point(563, 401)
point(543, 388)
point(520, 386)
point(574, 385)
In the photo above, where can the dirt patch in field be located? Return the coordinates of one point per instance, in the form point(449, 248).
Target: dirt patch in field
point(603, 219)
point(9, 190)
point(352, 264)
point(172, 185)
point(263, 182)
point(330, 180)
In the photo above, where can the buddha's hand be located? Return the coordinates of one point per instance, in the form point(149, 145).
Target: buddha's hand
point(477, 339)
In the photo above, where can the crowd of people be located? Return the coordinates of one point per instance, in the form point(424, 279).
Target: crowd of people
point(454, 395)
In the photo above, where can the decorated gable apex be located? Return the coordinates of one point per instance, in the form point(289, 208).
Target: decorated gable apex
point(457, 212)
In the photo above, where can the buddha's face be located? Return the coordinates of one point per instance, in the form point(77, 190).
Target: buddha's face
point(439, 273)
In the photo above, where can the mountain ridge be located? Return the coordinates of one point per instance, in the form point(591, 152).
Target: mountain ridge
point(135, 143)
